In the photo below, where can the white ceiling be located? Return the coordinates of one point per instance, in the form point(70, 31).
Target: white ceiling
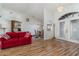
point(33, 9)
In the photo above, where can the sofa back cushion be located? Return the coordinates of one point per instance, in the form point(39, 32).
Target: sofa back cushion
point(21, 34)
point(12, 34)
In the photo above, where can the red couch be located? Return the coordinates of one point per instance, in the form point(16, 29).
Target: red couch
point(17, 38)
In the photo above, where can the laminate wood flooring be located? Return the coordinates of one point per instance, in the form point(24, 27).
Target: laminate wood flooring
point(53, 47)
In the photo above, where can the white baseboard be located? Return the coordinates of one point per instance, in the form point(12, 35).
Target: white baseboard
point(74, 41)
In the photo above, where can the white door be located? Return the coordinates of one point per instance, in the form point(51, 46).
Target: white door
point(62, 29)
point(74, 30)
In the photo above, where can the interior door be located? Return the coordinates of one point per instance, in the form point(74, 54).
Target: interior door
point(75, 30)
point(62, 30)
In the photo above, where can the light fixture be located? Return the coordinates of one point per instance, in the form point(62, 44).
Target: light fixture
point(60, 8)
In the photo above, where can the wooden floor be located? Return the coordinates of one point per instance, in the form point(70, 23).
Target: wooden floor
point(52, 47)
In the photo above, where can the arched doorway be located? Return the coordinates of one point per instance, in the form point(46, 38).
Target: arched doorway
point(69, 27)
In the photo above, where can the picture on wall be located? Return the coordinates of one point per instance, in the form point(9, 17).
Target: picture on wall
point(27, 19)
point(49, 27)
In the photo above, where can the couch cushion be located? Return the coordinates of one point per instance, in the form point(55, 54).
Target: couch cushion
point(23, 38)
point(11, 41)
point(21, 34)
point(12, 34)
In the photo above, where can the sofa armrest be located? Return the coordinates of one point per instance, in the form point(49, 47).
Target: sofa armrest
point(1, 42)
point(1, 39)
point(30, 35)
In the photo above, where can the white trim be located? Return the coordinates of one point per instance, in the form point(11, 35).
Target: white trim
point(71, 41)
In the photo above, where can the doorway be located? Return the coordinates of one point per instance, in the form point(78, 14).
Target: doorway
point(62, 29)
point(74, 30)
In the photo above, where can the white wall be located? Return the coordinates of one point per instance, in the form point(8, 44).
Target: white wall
point(26, 26)
point(48, 19)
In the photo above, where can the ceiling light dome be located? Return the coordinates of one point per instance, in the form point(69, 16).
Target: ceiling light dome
point(60, 8)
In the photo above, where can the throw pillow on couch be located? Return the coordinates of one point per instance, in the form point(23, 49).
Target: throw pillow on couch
point(27, 34)
point(5, 36)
